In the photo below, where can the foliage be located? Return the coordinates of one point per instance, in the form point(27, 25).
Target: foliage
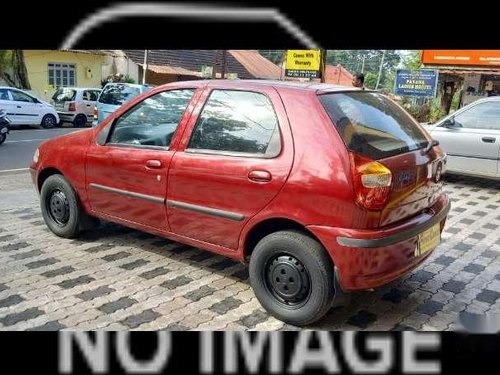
point(13, 69)
point(367, 61)
point(411, 60)
point(370, 80)
point(117, 78)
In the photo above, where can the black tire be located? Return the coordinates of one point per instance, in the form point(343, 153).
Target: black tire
point(49, 121)
point(3, 137)
point(314, 269)
point(80, 121)
point(62, 218)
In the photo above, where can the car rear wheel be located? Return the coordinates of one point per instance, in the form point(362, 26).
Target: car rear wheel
point(292, 277)
point(49, 121)
point(80, 121)
point(61, 209)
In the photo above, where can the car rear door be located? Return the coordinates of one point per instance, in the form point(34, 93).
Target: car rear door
point(27, 110)
point(234, 158)
point(126, 169)
point(473, 142)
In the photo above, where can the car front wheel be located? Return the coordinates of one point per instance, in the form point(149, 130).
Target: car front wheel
point(61, 209)
point(292, 277)
point(49, 121)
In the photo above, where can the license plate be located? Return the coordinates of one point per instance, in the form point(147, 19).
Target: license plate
point(428, 240)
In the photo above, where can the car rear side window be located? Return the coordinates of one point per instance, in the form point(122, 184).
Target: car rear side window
point(153, 121)
point(373, 125)
point(240, 122)
point(118, 94)
point(64, 95)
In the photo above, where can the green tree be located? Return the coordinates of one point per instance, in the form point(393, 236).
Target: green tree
point(368, 62)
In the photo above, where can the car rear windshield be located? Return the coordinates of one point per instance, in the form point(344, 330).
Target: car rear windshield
point(118, 94)
point(373, 125)
point(64, 95)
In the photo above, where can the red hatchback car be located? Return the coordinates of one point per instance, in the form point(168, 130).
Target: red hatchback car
point(317, 187)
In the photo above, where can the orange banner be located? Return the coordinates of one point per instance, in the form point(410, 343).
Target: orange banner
point(462, 57)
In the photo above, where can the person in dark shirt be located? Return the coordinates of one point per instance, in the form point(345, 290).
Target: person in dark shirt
point(358, 80)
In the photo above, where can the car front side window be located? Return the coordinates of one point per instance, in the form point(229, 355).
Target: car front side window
point(19, 96)
point(153, 121)
point(481, 116)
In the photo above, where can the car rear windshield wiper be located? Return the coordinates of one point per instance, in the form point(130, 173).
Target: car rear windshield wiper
point(430, 145)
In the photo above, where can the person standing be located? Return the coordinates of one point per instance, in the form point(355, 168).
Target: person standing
point(358, 80)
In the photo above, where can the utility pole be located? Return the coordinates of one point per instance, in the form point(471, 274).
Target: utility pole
point(145, 67)
point(323, 65)
point(363, 65)
point(380, 69)
point(214, 70)
point(224, 64)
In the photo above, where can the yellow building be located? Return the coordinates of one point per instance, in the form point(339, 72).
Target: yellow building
point(48, 70)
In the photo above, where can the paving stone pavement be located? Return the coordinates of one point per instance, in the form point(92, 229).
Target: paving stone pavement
point(115, 278)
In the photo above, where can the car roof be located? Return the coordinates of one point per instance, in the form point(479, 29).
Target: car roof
point(295, 85)
point(80, 88)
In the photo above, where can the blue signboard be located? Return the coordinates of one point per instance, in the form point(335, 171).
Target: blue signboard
point(421, 82)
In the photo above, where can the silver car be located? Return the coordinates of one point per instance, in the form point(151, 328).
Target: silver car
point(471, 138)
point(75, 104)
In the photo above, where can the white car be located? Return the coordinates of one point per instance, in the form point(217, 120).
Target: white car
point(75, 104)
point(471, 138)
point(24, 109)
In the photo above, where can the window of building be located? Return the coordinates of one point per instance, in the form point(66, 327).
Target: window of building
point(61, 74)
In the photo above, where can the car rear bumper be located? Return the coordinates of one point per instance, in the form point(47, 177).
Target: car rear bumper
point(66, 116)
point(367, 259)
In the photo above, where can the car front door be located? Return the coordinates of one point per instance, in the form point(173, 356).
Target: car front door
point(26, 108)
point(126, 169)
point(472, 142)
point(235, 157)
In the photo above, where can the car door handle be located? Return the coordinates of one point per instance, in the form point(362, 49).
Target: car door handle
point(89, 105)
point(18, 106)
point(259, 176)
point(488, 139)
point(153, 164)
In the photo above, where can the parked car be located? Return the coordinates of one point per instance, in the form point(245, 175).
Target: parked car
point(471, 138)
point(25, 109)
point(113, 96)
point(320, 188)
point(76, 104)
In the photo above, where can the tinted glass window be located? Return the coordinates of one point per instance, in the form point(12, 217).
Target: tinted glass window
point(118, 94)
point(235, 121)
point(4, 94)
point(19, 96)
point(153, 121)
point(64, 95)
point(373, 125)
point(90, 95)
point(481, 116)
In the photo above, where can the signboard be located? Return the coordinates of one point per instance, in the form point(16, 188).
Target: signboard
point(421, 82)
point(303, 63)
point(461, 57)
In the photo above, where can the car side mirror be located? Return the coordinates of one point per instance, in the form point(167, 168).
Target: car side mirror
point(449, 123)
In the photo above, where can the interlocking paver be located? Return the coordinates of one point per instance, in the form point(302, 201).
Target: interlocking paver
point(118, 278)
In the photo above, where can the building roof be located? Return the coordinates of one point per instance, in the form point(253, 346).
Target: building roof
point(247, 64)
point(337, 74)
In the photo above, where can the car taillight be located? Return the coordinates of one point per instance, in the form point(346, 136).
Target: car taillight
point(72, 107)
point(372, 182)
point(95, 113)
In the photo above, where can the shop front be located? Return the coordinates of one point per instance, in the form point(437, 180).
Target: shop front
point(473, 74)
